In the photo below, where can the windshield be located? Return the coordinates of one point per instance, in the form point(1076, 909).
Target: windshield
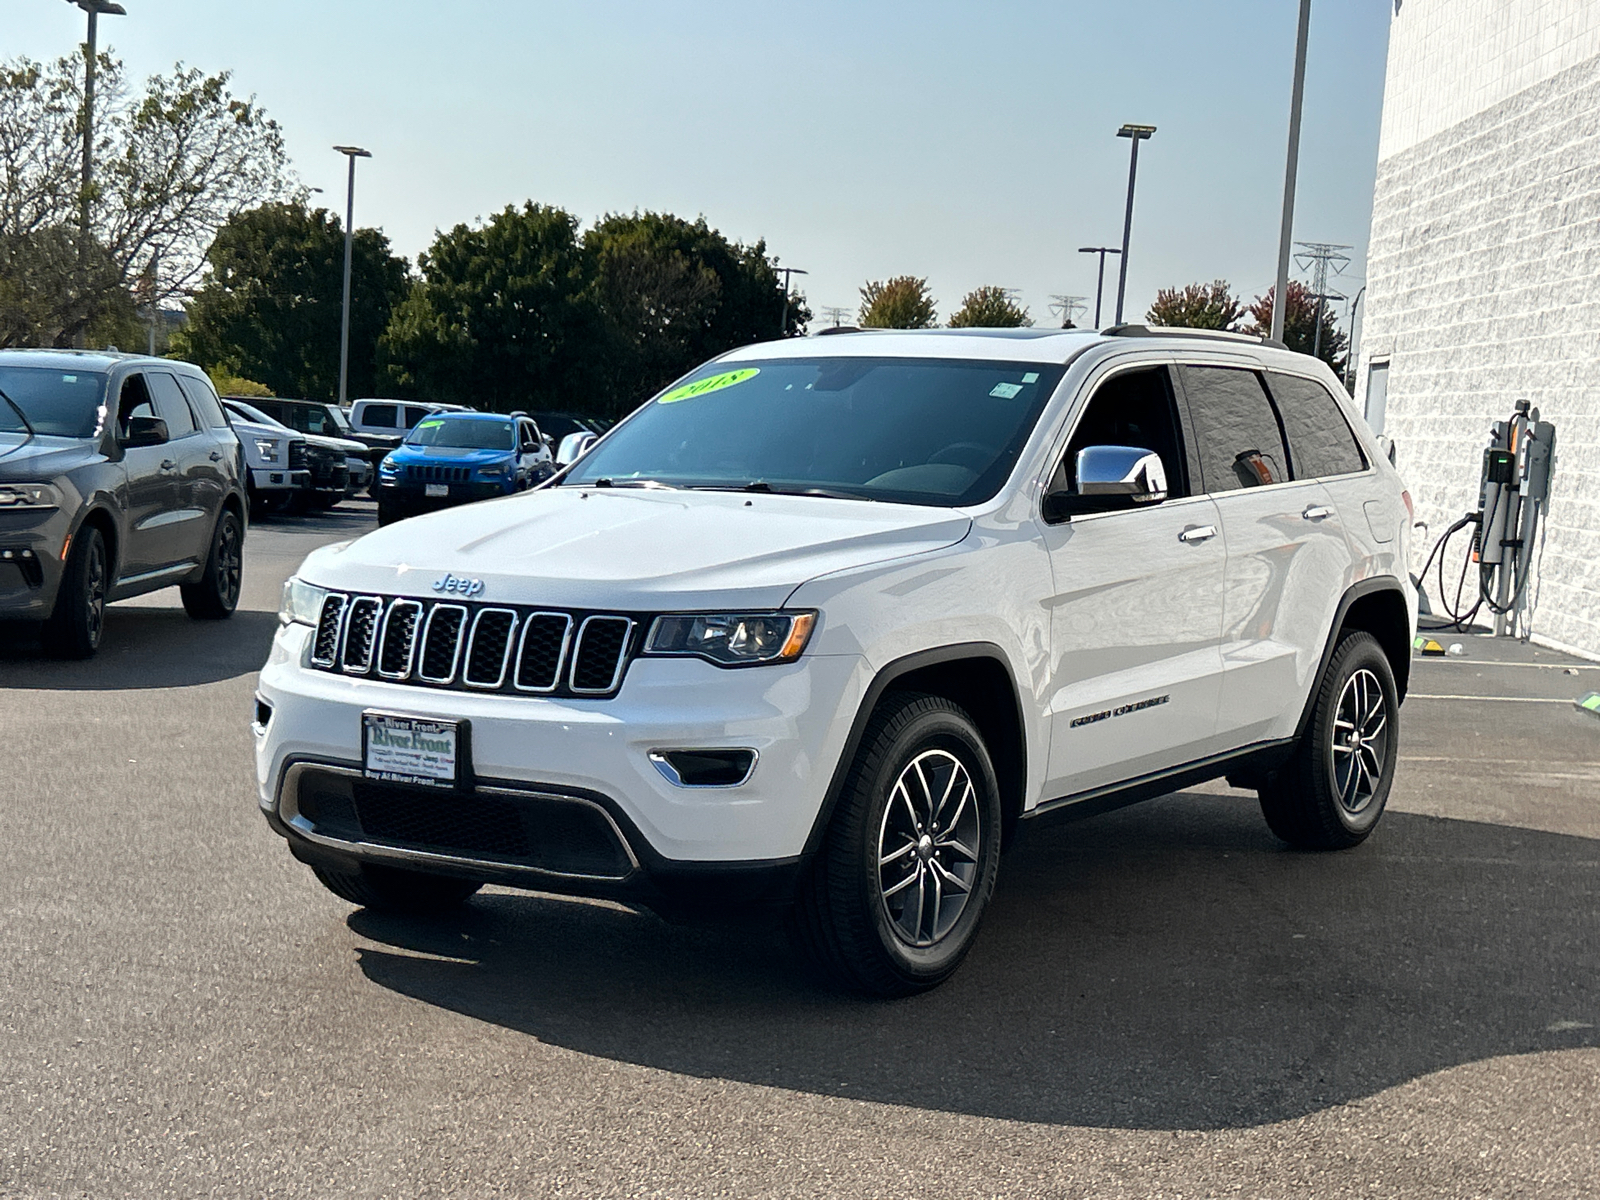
point(464, 434)
point(57, 403)
point(909, 430)
point(247, 412)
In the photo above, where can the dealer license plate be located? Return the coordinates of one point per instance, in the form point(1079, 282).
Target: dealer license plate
point(436, 489)
point(418, 750)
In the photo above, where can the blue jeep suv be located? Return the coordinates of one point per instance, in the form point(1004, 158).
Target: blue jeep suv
point(454, 458)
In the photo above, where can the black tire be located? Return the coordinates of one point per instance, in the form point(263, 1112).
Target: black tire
point(78, 621)
point(215, 595)
point(390, 889)
point(845, 915)
point(1332, 791)
point(388, 514)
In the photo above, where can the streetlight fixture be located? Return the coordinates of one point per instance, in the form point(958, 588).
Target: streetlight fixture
point(95, 8)
point(352, 153)
point(783, 327)
point(1100, 279)
point(1135, 134)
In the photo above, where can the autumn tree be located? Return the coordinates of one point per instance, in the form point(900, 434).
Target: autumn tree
point(989, 308)
point(1197, 306)
point(902, 302)
point(1300, 325)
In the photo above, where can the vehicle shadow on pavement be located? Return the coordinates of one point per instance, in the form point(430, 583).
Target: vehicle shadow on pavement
point(1170, 966)
point(353, 517)
point(143, 648)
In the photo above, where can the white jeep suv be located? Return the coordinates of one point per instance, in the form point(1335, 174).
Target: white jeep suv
point(824, 624)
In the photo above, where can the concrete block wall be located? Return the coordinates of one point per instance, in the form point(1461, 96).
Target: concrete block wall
point(1484, 277)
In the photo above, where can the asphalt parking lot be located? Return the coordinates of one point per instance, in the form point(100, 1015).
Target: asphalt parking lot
point(1164, 1001)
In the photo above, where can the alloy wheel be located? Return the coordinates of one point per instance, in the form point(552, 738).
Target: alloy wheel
point(94, 592)
point(230, 563)
point(928, 847)
point(1360, 741)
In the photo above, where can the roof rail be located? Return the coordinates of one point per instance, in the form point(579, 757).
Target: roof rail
point(1157, 331)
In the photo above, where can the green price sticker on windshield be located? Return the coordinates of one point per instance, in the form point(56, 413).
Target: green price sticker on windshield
point(714, 383)
point(429, 424)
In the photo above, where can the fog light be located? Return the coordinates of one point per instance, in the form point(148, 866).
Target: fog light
point(705, 768)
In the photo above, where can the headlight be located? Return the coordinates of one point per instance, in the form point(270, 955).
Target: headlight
point(733, 639)
point(387, 467)
point(493, 470)
point(267, 448)
point(29, 495)
point(302, 603)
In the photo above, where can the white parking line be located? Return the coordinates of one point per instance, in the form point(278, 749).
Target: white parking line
point(1490, 699)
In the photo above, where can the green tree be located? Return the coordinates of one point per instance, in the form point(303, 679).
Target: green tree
point(270, 307)
point(55, 287)
point(1300, 325)
point(1197, 306)
point(502, 318)
point(903, 302)
point(173, 163)
point(672, 293)
point(989, 308)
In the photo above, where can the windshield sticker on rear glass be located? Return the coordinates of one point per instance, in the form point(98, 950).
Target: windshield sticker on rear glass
point(1006, 391)
point(714, 383)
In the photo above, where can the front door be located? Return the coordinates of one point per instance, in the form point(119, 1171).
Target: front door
point(152, 491)
point(1135, 667)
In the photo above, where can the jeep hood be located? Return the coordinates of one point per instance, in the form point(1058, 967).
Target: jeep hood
point(635, 550)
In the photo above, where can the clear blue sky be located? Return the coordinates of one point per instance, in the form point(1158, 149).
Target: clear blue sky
point(971, 143)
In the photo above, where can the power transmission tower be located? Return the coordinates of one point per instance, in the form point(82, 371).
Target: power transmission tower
point(836, 314)
point(1068, 307)
point(1319, 258)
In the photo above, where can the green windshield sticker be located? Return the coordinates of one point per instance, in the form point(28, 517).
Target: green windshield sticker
point(429, 424)
point(1031, 377)
point(714, 383)
point(1006, 391)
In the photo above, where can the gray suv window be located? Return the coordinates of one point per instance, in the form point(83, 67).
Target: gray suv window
point(1240, 442)
point(204, 401)
point(1320, 441)
point(171, 407)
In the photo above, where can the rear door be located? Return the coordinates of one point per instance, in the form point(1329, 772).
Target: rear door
point(1286, 551)
point(1135, 669)
point(200, 486)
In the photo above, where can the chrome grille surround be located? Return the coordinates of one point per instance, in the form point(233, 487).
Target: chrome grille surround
point(470, 646)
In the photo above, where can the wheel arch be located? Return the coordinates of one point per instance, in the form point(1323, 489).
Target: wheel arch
point(1377, 607)
point(101, 518)
point(978, 677)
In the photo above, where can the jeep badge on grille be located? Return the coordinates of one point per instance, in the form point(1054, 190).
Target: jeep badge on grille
point(459, 586)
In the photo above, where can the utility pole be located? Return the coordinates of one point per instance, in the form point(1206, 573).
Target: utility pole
point(1135, 134)
point(783, 326)
point(94, 8)
point(352, 153)
point(1286, 230)
point(1318, 258)
point(1067, 307)
point(1100, 280)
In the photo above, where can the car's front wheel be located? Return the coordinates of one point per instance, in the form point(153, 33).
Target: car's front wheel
point(892, 902)
point(215, 594)
point(78, 620)
point(391, 889)
point(1331, 793)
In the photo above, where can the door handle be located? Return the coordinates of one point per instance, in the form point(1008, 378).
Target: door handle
point(1317, 512)
point(1193, 534)
point(168, 465)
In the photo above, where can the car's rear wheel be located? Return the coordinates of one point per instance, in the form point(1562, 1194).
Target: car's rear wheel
point(215, 594)
point(391, 889)
point(892, 902)
point(78, 621)
point(1331, 793)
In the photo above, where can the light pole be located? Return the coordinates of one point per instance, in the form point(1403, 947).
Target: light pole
point(783, 327)
point(94, 8)
point(352, 153)
point(1280, 302)
point(1136, 134)
point(1100, 280)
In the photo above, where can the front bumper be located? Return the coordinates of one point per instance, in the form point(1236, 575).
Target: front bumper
point(412, 497)
point(536, 750)
point(268, 479)
point(31, 544)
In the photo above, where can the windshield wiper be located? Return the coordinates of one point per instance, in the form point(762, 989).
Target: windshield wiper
point(631, 483)
point(763, 487)
point(21, 416)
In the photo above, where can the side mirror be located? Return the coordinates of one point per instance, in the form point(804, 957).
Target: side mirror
point(145, 431)
point(1110, 478)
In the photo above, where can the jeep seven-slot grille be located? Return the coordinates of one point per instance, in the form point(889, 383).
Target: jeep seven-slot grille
point(474, 647)
point(431, 474)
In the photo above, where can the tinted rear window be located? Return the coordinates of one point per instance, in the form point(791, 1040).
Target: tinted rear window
point(382, 415)
point(1237, 431)
point(1320, 440)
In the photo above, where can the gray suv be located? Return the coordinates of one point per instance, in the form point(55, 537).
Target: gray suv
point(119, 475)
